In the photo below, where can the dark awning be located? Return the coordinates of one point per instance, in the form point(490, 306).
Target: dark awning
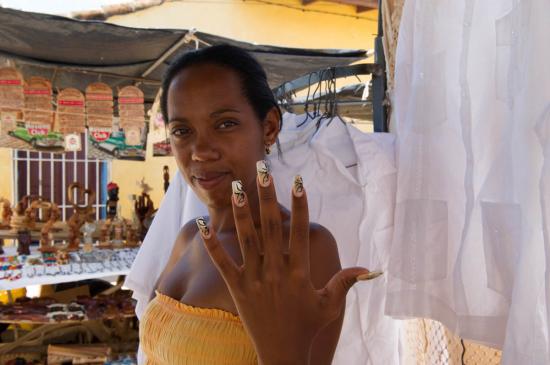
point(74, 53)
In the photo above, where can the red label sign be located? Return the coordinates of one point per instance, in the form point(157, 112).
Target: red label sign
point(36, 92)
point(38, 131)
point(130, 100)
point(98, 97)
point(10, 82)
point(71, 102)
point(100, 135)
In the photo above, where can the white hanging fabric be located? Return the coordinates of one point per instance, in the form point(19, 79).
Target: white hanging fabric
point(471, 99)
point(355, 203)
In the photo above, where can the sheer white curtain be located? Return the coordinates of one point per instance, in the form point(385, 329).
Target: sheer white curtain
point(471, 103)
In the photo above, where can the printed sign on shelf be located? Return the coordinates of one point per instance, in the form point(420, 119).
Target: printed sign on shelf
point(73, 142)
point(38, 130)
point(100, 134)
point(133, 136)
point(8, 122)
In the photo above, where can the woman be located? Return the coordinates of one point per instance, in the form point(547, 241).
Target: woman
point(253, 282)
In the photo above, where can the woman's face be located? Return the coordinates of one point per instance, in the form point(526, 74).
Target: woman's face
point(215, 134)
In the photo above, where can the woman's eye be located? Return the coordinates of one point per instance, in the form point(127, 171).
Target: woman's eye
point(179, 132)
point(227, 124)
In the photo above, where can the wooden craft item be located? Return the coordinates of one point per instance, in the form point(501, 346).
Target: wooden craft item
point(46, 240)
point(38, 103)
point(112, 201)
point(8, 122)
point(99, 105)
point(131, 110)
point(12, 97)
point(37, 203)
point(83, 212)
point(71, 117)
point(166, 177)
point(144, 209)
point(24, 217)
point(23, 242)
point(7, 213)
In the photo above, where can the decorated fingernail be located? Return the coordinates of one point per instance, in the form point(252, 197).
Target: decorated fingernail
point(262, 168)
point(238, 193)
point(298, 186)
point(369, 276)
point(203, 227)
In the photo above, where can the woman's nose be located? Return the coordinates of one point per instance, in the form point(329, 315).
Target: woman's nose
point(204, 149)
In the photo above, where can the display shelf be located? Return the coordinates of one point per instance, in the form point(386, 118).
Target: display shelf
point(100, 263)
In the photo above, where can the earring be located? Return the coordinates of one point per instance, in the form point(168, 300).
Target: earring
point(267, 149)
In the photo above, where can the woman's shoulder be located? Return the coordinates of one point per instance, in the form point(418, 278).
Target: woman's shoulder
point(188, 232)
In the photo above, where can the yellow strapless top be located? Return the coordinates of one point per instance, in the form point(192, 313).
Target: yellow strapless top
point(172, 332)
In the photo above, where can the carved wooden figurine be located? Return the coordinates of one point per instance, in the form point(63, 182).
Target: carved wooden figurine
point(144, 209)
point(83, 212)
point(112, 202)
point(166, 177)
point(7, 212)
point(46, 237)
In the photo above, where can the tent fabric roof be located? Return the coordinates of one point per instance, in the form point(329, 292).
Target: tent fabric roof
point(75, 53)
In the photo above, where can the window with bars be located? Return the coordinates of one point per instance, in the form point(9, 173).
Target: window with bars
point(49, 174)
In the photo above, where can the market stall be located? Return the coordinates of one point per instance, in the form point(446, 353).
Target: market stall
point(89, 99)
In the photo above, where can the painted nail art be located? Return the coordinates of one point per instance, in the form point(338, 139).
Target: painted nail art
point(238, 193)
point(369, 276)
point(262, 168)
point(203, 227)
point(298, 186)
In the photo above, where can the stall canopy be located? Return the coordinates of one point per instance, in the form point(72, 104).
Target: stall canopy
point(74, 53)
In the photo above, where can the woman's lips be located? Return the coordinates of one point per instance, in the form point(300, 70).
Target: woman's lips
point(209, 181)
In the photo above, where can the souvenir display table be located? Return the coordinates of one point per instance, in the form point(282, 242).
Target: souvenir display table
point(18, 271)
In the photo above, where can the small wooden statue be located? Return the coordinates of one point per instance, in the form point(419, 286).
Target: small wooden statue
point(112, 202)
point(7, 212)
point(46, 239)
point(144, 209)
point(82, 212)
point(24, 242)
point(166, 177)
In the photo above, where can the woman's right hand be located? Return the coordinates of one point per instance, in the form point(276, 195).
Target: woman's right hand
point(276, 301)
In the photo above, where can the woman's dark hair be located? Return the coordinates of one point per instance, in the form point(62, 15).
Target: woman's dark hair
point(251, 74)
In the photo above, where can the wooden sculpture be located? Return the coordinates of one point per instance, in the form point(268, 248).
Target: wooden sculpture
point(83, 212)
point(7, 213)
point(144, 209)
point(23, 217)
point(46, 239)
point(112, 202)
point(12, 99)
point(166, 177)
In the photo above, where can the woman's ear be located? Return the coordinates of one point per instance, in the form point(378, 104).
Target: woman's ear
point(272, 124)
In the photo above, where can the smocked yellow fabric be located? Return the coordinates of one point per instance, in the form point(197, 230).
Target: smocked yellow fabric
point(172, 332)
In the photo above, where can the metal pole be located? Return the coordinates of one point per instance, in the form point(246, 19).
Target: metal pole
point(379, 84)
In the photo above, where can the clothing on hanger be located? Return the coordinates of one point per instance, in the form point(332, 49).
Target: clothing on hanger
point(468, 249)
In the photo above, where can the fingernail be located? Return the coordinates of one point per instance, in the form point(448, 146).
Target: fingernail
point(298, 186)
point(262, 168)
point(203, 227)
point(369, 276)
point(238, 193)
